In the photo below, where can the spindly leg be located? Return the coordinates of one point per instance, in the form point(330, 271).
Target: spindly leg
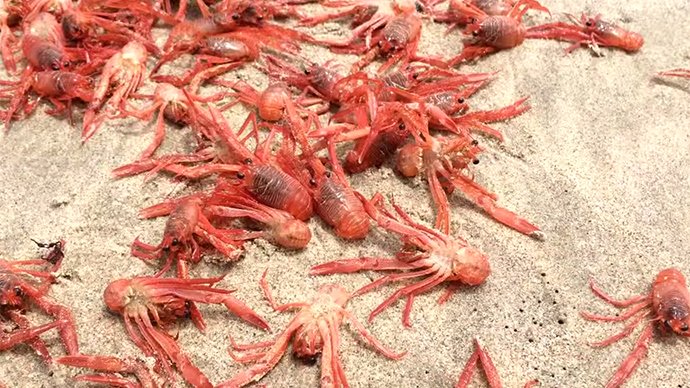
point(633, 359)
point(373, 341)
point(618, 303)
point(441, 200)
point(263, 283)
point(488, 365)
point(360, 264)
point(627, 330)
point(468, 371)
point(424, 284)
point(615, 318)
point(392, 278)
point(685, 73)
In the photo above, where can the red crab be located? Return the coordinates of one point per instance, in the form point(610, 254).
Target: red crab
point(186, 228)
point(589, 31)
point(256, 173)
point(57, 86)
point(445, 163)
point(491, 33)
point(151, 306)
point(667, 306)
point(489, 369)
point(457, 10)
point(334, 198)
point(280, 227)
point(175, 105)
point(314, 330)
point(427, 253)
point(19, 290)
point(125, 72)
point(392, 30)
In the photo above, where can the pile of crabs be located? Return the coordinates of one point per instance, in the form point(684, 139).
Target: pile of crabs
point(314, 125)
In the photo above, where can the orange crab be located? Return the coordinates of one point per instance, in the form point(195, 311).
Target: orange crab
point(150, 306)
point(314, 331)
point(427, 253)
point(667, 307)
point(125, 71)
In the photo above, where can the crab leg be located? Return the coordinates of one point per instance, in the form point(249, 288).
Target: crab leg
point(67, 327)
point(233, 304)
point(633, 359)
point(189, 372)
point(269, 361)
point(393, 278)
point(266, 289)
point(616, 318)
point(476, 194)
point(360, 264)
point(676, 73)
point(35, 343)
point(409, 290)
point(627, 330)
point(328, 357)
point(617, 303)
point(7, 341)
point(369, 338)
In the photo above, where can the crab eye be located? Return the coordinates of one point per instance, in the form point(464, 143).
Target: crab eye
point(684, 327)
point(415, 76)
point(327, 174)
point(588, 23)
point(461, 100)
point(18, 291)
point(248, 161)
point(475, 142)
point(240, 175)
point(55, 66)
point(475, 161)
point(307, 71)
point(312, 182)
point(235, 16)
point(174, 242)
point(475, 33)
point(401, 126)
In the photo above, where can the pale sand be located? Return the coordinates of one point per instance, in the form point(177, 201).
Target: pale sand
point(601, 163)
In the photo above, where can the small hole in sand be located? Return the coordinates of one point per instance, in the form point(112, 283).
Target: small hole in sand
point(560, 321)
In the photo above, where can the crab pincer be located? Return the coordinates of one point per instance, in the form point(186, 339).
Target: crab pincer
point(111, 368)
point(666, 306)
point(150, 306)
point(186, 227)
point(314, 331)
point(427, 253)
point(490, 371)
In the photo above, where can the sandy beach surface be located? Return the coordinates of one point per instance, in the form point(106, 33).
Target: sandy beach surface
point(601, 163)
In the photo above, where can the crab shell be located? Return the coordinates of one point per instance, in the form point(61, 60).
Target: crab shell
point(671, 301)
